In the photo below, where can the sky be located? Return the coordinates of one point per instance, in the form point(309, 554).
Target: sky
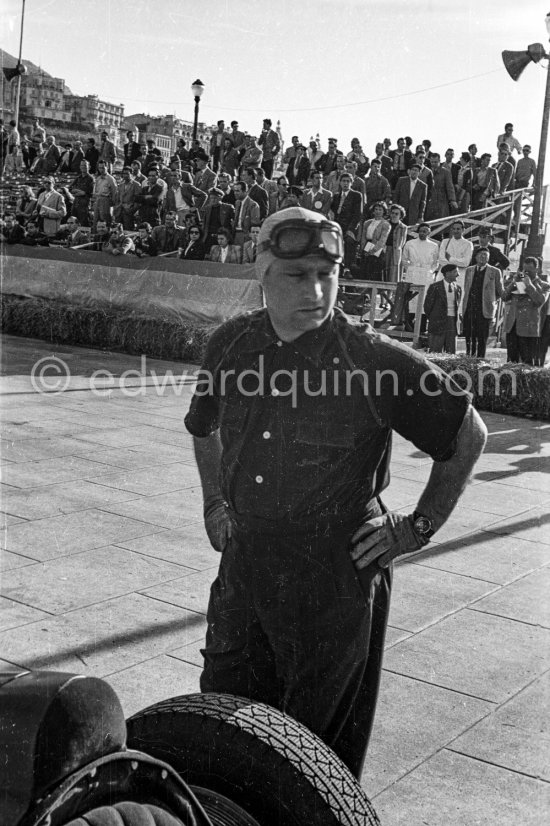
point(343, 68)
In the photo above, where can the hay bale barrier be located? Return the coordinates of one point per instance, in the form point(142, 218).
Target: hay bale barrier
point(118, 330)
point(513, 389)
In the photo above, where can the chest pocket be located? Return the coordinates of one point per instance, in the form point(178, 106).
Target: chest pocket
point(325, 431)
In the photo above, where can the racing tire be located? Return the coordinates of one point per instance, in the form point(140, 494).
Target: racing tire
point(265, 762)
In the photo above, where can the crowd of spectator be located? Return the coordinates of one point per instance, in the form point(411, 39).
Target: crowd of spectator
point(202, 205)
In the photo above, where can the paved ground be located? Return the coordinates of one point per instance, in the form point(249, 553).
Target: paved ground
point(107, 570)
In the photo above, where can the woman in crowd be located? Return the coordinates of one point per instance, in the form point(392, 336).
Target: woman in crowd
point(144, 243)
point(26, 204)
point(373, 243)
point(224, 252)
point(194, 249)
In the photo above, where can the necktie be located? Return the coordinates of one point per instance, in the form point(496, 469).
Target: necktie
point(254, 252)
point(450, 288)
point(342, 199)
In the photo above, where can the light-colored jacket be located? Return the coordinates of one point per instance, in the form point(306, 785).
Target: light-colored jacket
point(524, 310)
point(492, 290)
point(379, 235)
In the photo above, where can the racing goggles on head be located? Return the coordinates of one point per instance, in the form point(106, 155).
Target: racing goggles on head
point(298, 237)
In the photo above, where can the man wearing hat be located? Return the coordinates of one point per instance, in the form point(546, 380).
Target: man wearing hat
point(292, 440)
point(496, 257)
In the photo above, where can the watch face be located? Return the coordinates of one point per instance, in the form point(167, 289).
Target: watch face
point(423, 525)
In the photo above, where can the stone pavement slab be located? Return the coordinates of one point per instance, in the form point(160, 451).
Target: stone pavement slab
point(148, 682)
point(66, 583)
point(421, 597)
point(103, 638)
point(516, 735)
point(116, 583)
point(526, 600)
point(71, 533)
point(487, 556)
point(454, 790)
point(190, 545)
point(477, 654)
point(414, 720)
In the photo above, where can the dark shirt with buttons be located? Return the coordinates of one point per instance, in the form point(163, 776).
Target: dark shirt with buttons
point(302, 442)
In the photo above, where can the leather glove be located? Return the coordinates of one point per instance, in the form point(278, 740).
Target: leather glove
point(384, 538)
point(217, 522)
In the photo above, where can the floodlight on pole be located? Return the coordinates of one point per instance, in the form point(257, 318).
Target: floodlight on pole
point(515, 63)
point(197, 88)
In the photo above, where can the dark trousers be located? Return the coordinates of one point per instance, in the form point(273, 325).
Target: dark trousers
point(544, 342)
point(267, 167)
point(476, 333)
point(350, 248)
point(291, 623)
point(444, 342)
point(523, 349)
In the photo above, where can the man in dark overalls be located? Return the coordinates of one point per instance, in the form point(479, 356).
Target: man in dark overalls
point(292, 417)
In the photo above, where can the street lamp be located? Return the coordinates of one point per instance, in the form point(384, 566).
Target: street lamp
point(515, 63)
point(197, 88)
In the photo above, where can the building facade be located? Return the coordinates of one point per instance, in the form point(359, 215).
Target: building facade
point(90, 109)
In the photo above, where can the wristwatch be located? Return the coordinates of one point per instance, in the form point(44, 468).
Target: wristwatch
point(423, 527)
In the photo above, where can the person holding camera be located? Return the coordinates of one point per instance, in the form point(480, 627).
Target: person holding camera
point(522, 326)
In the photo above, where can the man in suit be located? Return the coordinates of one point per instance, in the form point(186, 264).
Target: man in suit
point(217, 143)
point(402, 159)
point(255, 191)
point(411, 194)
point(347, 208)
point(451, 166)
point(385, 161)
point(224, 183)
point(327, 163)
point(526, 295)
point(441, 309)
point(131, 149)
point(277, 198)
point(496, 257)
point(247, 213)
point(317, 199)
point(169, 237)
point(442, 200)
point(216, 215)
point(250, 248)
point(270, 144)
point(205, 178)
point(298, 168)
point(377, 187)
point(482, 287)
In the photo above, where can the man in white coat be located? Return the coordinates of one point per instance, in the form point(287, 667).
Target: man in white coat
point(420, 262)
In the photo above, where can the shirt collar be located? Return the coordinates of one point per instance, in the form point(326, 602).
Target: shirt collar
point(310, 344)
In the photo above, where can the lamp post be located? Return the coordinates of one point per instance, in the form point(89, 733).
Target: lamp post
point(197, 88)
point(515, 63)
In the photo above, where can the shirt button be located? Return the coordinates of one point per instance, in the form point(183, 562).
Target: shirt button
point(274, 392)
point(267, 435)
point(259, 479)
point(336, 360)
point(279, 344)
